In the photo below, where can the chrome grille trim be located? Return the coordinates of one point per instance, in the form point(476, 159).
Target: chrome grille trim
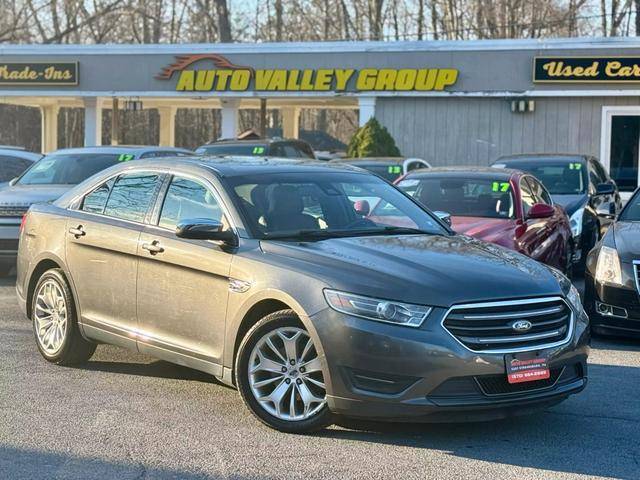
point(636, 272)
point(515, 303)
point(532, 313)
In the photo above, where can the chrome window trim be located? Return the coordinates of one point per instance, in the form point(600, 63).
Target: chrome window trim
point(506, 303)
point(636, 273)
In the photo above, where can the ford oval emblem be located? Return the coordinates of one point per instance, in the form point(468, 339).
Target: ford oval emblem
point(521, 326)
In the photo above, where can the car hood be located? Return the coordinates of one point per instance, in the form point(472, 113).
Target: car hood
point(627, 238)
point(482, 228)
point(25, 195)
point(571, 203)
point(426, 269)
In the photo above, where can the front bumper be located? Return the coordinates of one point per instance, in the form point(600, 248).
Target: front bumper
point(621, 297)
point(388, 372)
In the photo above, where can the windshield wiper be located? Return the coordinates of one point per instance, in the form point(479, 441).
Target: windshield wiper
point(325, 234)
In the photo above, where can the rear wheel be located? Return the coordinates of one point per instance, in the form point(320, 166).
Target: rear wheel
point(55, 324)
point(279, 375)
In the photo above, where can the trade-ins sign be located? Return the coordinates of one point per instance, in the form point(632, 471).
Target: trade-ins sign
point(227, 76)
point(586, 69)
point(38, 73)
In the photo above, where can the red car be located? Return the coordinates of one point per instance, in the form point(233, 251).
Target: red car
point(506, 207)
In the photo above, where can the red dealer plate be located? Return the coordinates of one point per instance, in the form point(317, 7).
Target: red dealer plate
point(526, 367)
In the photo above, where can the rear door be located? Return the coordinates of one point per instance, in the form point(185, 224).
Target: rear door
point(183, 284)
point(101, 247)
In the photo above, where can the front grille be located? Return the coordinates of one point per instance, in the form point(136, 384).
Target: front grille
point(490, 326)
point(499, 385)
point(10, 245)
point(12, 211)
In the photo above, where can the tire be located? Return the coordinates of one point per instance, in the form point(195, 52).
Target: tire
point(62, 343)
point(303, 417)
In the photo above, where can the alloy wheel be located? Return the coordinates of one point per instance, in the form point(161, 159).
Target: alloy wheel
point(285, 374)
point(50, 314)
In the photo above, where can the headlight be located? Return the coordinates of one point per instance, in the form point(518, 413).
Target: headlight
point(608, 266)
point(376, 309)
point(575, 221)
point(574, 298)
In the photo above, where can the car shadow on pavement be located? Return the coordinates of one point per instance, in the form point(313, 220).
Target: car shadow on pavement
point(16, 463)
point(595, 433)
point(155, 369)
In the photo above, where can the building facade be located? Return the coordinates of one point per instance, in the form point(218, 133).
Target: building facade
point(451, 103)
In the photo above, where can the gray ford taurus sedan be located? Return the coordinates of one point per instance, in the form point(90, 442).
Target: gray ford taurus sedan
point(270, 275)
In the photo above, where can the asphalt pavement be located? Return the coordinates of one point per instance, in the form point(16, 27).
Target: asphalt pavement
point(128, 416)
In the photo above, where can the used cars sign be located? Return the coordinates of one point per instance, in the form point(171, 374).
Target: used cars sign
point(586, 69)
point(17, 73)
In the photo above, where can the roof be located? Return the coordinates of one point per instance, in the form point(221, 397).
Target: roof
point(236, 166)
point(120, 149)
point(465, 172)
point(587, 43)
point(524, 157)
point(241, 141)
point(368, 160)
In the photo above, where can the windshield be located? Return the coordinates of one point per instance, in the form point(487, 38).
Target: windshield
point(323, 205)
point(69, 169)
point(560, 177)
point(468, 197)
point(242, 150)
point(631, 212)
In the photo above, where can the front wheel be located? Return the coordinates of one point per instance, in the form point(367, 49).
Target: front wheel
point(55, 324)
point(279, 375)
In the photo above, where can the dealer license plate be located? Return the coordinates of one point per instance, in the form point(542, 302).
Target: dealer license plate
point(526, 367)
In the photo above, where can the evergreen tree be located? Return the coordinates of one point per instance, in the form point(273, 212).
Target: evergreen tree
point(372, 140)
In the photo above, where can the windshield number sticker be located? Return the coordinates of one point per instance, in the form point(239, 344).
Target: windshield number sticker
point(394, 169)
point(126, 157)
point(500, 186)
point(258, 150)
point(575, 166)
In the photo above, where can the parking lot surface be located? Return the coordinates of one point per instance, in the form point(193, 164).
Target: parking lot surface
point(128, 416)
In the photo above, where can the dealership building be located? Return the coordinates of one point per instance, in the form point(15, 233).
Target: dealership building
point(451, 103)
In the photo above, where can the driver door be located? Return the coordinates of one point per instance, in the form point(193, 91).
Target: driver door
point(183, 285)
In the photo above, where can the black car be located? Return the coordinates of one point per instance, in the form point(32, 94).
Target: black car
point(612, 282)
point(264, 147)
point(14, 161)
point(581, 185)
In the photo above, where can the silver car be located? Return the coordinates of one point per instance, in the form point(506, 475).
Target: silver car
point(52, 176)
point(264, 274)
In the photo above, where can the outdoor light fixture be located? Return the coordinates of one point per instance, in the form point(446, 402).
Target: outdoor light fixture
point(133, 104)
point(522, 105)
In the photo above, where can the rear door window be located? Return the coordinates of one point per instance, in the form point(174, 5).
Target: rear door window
point(131, 196)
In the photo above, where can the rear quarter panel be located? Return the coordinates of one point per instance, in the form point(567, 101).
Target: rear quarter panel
point(42, 238)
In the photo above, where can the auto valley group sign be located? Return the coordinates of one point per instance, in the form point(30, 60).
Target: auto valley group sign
point(213, 72)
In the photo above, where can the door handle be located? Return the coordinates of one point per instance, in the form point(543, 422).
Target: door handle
point(78, 231)
point(153, 248)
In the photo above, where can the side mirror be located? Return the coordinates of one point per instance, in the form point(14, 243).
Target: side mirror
point(605, 189)
point(444, 216)
point(205, 229)
point(541, 210)
point(13, 182)
point(362, 207)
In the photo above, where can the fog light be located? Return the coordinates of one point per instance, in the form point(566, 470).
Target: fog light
point(611, 310)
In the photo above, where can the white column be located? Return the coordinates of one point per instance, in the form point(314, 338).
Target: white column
point(230, 117)
point(290, 122)
point(49, 116)
point(167, 126)
point(367, 106)
point(92, 122)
